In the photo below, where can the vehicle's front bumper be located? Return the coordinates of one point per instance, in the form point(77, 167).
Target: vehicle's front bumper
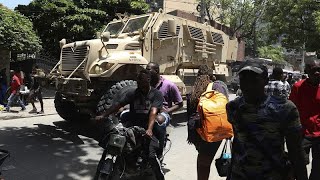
point(73, 86)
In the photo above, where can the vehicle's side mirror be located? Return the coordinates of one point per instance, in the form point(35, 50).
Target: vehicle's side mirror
point(172, 27)
point(62, 42)
point(98, 35)
point(105, 36)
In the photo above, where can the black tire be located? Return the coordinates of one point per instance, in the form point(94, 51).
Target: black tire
point(114, 175)
point(67, 109)
point(115, 93)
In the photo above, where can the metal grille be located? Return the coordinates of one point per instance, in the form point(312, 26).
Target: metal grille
point(217, 38)
point(112, 46)
point(196, 33)
point(133, 46)
point(73, 56)
point(163, 32)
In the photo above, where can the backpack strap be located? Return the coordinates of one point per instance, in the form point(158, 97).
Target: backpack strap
point(209, 87)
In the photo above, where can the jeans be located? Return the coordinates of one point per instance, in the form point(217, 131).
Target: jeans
point(167, 119)
point(12, 98)
point(313, 144)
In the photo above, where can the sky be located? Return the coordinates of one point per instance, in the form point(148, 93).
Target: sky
point(11, 4)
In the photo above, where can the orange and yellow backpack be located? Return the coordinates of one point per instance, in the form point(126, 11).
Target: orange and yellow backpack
point(213, 114)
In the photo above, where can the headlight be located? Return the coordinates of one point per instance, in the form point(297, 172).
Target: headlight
point(98, 69)
point(117, 140)
point(107, 66)
point(116, 144)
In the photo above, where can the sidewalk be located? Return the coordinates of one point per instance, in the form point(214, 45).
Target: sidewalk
point(48, 105)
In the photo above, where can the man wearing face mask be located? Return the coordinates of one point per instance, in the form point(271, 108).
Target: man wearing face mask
point(261, 124)
point(305, 95)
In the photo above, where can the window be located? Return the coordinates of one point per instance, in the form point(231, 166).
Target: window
point(114, 28)
point(135, 24)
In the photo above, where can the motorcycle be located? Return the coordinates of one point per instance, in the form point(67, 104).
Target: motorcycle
point(125, 153)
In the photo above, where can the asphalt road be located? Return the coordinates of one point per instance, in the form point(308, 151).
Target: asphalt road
point(49, 148)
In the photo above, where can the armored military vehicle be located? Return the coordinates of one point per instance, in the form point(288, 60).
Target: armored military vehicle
point(92, 73)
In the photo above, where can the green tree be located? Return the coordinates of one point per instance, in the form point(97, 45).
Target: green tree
point(74, 19)
point(243, 17)
point(16, 32)
point(295, 23)
point(271, 52)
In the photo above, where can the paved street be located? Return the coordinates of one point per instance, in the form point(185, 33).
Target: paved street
point(49, 148)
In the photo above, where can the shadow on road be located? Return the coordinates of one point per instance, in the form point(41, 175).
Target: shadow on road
point(179, 118)
point(63, 150)
point(46, 152)
point(83, 128)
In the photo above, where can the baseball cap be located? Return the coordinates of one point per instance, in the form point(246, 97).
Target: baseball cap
point(254, 66)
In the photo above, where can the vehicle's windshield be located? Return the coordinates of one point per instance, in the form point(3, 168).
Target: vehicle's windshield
point(135, 24)
point(114, 28)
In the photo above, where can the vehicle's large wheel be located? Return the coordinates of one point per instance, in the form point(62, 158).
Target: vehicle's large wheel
point(67, 110)
point(115, 93)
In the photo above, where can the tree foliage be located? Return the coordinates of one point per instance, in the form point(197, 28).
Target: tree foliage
point(265, 22)
point(16, 32)
point(294, 22)
point(241, 15)
point(74, 19)
point(271, 52)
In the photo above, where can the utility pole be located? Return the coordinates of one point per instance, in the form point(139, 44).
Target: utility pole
point(203, 11)
point(303, 57)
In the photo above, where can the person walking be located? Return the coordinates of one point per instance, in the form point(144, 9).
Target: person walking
point(35, 92)
point(14, 88)
point(286, 84)
point(275, 85)
point(261, 123)
point(305, 95)
point(206, 150)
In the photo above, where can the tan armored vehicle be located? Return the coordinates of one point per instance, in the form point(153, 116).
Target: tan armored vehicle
point(91, 73)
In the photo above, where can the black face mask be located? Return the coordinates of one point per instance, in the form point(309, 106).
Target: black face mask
point(154, 78)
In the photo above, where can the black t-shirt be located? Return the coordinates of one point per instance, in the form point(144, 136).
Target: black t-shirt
point(34, 83)
point(140, 105)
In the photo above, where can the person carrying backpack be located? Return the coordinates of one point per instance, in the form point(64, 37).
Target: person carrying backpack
point(203, 133)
